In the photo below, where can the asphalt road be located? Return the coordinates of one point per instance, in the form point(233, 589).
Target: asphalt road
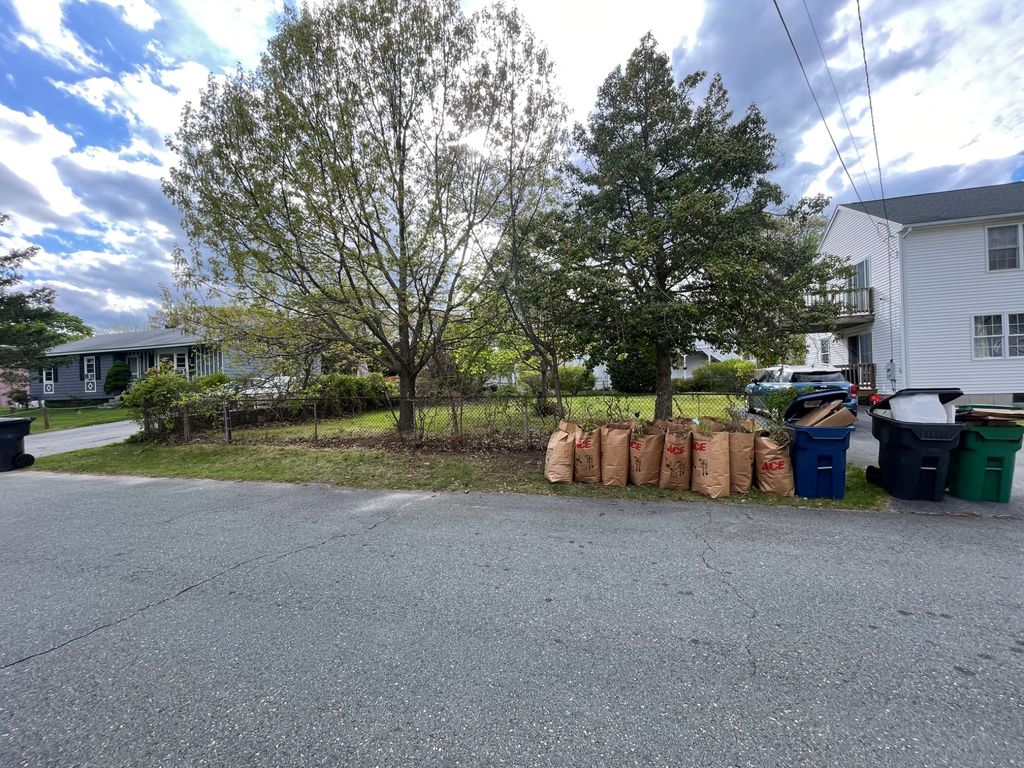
point(63, 440)
point(166, 622)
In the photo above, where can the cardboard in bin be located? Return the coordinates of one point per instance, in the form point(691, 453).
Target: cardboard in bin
point(822, 408)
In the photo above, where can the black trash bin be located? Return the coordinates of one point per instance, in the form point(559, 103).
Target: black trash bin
point(913, 457)
point(12, 443)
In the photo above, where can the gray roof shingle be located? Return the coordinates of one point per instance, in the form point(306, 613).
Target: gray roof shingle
point(993, 200)
point(120, 342)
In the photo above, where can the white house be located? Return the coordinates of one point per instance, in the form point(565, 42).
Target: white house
point(686, 364)
point(938, 295)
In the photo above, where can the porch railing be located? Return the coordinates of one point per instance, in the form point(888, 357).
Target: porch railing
point(861, 374)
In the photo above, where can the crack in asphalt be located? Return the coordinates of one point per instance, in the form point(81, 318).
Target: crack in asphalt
point(752, 616)
point(267, 558)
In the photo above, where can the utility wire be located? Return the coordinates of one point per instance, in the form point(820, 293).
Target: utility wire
point(881, 189)
point(821, 112)
point(839, 101)
point(870, 108)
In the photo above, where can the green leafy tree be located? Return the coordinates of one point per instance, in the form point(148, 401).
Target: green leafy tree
point(633, 371)
point(352, 179)
point(29, 323)
point(670, 218)
point(119, 376)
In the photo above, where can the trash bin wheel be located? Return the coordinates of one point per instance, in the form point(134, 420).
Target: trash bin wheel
point(23, 460)
point(873, 475)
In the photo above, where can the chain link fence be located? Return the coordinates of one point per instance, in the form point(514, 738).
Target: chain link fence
point(453, 421)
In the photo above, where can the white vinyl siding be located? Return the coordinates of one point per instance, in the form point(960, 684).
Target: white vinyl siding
point(861, 239)
point(948, 286)
point(1004, 244)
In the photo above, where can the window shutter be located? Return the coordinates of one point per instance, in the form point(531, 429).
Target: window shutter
point(98, 358)
point(81, 368)
point(55, 369)
point(40, 375)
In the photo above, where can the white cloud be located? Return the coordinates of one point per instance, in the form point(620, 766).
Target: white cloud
point(588, 40)
point(29, 144)
point(116, 302)
point(43, 30)
point(239, 28)
point(150, 99)
point(136, 13)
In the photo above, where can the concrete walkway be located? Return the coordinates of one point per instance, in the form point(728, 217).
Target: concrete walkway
point(64, 440)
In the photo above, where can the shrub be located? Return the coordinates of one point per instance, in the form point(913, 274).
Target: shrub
point(118, 378)
point(345, 393)
point(153, 400)
point(633, 372)
point(211, 382)
point(723, 376)
point(575, 379)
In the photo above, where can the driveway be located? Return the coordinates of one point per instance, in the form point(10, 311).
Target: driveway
point(167, 622)
point(64, 440)
point(863, 452)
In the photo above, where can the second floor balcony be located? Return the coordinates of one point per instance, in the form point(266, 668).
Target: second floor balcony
point(857, 307)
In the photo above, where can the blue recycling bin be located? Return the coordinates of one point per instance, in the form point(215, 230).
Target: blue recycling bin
point(818, 453)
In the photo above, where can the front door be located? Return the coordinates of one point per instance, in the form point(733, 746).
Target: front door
point(135, 365)
point(89, 369)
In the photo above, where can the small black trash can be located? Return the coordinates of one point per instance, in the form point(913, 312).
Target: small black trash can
point(913, 457)
point(12, 443)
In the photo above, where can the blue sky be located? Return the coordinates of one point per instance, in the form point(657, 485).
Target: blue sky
point(91, 88)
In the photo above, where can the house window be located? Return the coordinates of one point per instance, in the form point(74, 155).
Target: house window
point(1004, 247)
point(89, 368)
point(47, 375)
point(1015, 335)
point(826, 351)
point(181, 363)
point(988, 335)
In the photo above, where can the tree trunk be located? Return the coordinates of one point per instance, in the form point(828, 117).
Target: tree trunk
point(663, 399)
point(406, 401)
point(556, 385)
point(542, 396)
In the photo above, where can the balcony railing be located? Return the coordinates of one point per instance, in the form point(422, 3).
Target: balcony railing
point(852, 301)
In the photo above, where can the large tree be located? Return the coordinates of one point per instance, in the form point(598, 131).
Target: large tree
point(671, 220)
point(29, 323)
point(352, 178)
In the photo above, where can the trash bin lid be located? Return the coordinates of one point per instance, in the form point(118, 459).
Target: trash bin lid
point(946, 395)
point(16, 420)
point(807, 402)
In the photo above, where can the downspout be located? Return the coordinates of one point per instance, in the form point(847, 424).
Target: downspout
point(904, 332)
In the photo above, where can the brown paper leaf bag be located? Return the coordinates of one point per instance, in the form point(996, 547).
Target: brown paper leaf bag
point(710, 464)
point(774, 468)
point(645, 458)
point(558, 460)
point(615, 453)
point(675, 461)
point(588, 456)
point(741, 461)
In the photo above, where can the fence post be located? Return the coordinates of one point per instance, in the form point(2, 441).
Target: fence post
point(316, 422)
point(46, 416)
point(227, 423)
point(186, 428)
point(526, 421)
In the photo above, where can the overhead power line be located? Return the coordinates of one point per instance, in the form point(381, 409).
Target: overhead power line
point(821, 112)
point(871, 110)
point(839, 101)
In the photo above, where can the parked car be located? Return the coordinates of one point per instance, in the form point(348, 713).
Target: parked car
point(803, 378)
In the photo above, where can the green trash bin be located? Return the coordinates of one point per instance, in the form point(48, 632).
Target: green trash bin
point(981, 467)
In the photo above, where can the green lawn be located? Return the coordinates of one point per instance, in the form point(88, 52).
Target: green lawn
point(484, 418)
point(369, 468)
point(67, 418)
